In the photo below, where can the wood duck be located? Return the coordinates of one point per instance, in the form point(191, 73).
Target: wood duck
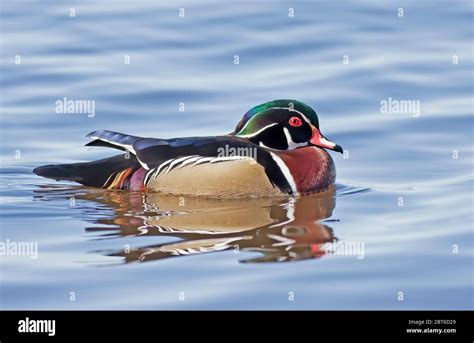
point(276, 149)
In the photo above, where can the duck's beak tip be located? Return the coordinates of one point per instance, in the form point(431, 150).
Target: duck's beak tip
point(338, 148)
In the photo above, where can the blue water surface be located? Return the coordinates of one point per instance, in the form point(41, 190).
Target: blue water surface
point(405, 184)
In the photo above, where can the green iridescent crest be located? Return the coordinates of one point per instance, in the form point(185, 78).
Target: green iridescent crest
point(258, 116)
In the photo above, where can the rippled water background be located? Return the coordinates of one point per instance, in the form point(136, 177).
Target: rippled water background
point(423, 248)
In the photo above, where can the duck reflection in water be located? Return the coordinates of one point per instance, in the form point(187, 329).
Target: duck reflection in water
point(284, 229)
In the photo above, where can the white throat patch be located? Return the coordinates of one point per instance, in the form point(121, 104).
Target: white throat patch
point(291, 144)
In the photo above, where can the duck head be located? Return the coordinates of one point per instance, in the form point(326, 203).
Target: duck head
point(283, 125)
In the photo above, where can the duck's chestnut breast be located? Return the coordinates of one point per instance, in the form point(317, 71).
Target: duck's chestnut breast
point(312, 169)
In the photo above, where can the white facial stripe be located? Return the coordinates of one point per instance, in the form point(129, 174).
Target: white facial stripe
point(293, 110)
point(286, 172)
point(247, 123)
point(291, 144)
point(278, 108)
point(266, 127)
point(304, 117)
point(256, 133)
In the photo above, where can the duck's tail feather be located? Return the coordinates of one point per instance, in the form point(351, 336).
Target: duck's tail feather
point(113, 139)
point(112, 173)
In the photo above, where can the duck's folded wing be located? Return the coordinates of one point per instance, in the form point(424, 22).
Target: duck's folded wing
point(152, 152)
point(164, 155)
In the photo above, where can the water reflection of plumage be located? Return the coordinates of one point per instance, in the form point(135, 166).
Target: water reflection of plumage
point(283, 229)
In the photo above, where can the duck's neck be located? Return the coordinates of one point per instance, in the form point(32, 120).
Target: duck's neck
point(312, 169)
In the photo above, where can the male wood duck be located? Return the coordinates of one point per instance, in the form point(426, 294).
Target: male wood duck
point(276, 149)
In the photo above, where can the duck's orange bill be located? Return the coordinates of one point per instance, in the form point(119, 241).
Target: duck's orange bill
point(319, 140)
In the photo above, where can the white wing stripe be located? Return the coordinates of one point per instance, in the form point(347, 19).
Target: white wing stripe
point(176, 161)
point(180, 162)
point(188, 161)
point(203, 160)
point(229, 158)
point(161, 167)
point(128, 147)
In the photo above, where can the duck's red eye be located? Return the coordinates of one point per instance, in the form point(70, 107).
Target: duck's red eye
point(295, 121)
